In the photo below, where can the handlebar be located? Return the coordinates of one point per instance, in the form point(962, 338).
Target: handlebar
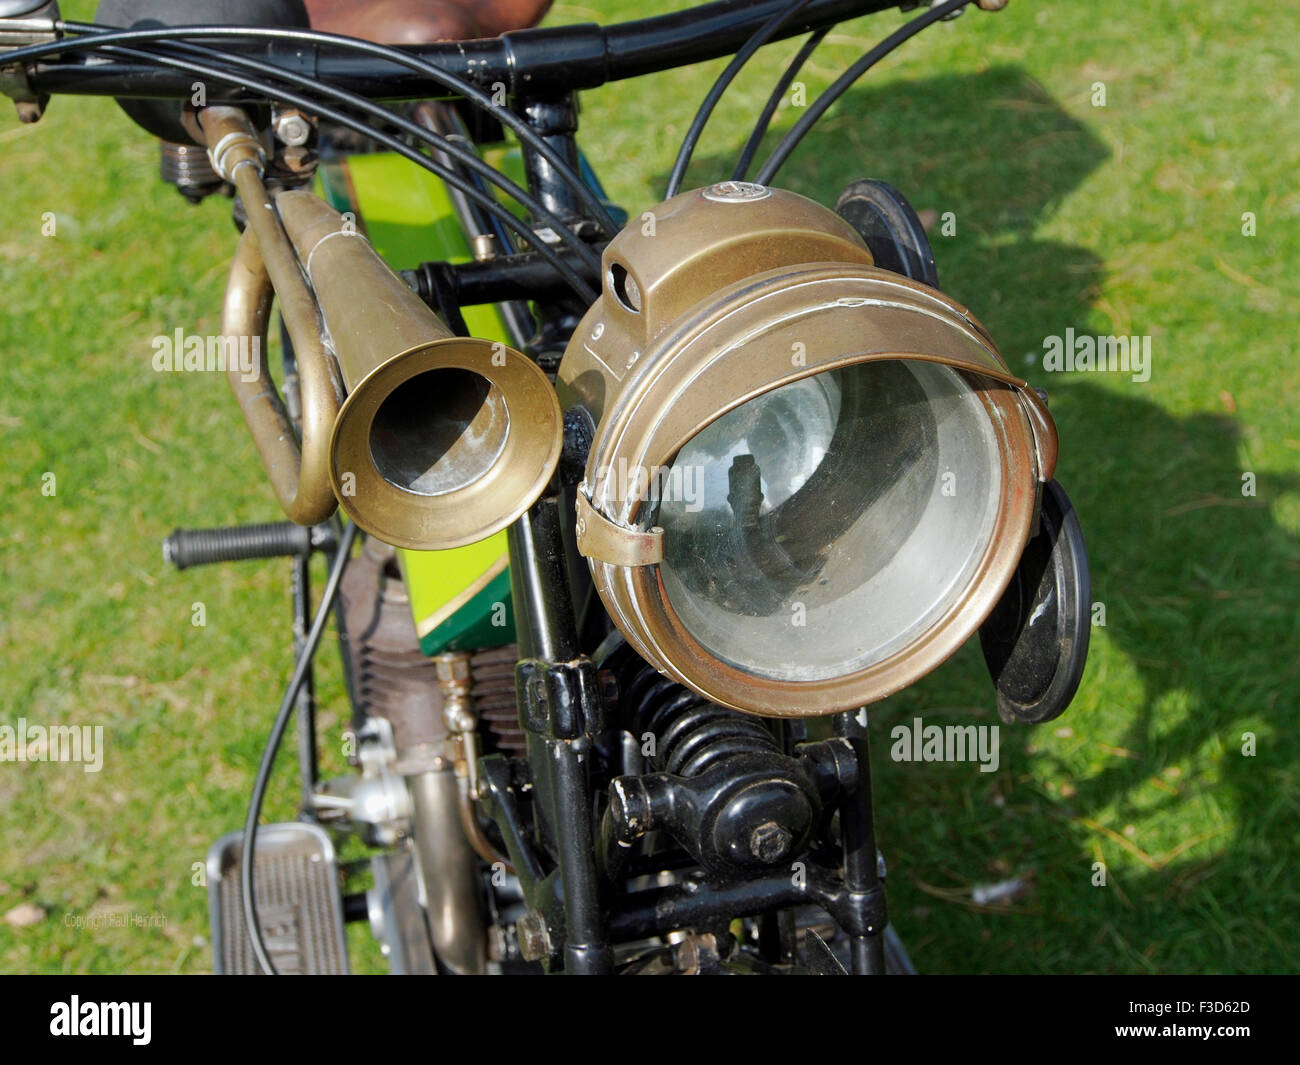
point(534, 62)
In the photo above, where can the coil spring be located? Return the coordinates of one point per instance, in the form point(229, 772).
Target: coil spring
point(691, 734)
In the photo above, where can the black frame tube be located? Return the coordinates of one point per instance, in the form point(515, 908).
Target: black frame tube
point(861, 861)
point(559, 750)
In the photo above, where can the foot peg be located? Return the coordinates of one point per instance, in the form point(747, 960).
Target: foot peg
point(299, 902)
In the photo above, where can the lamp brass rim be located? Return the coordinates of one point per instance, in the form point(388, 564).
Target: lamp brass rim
point(668, 397)
point(694, 373)
point(694, 236)
point(639, 600)
point(723, 295)
point(477, 509)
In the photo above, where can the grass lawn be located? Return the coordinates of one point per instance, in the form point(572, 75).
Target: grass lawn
point(1121, 219)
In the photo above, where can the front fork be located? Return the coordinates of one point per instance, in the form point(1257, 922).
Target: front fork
point(862, 878)
point(560, 709)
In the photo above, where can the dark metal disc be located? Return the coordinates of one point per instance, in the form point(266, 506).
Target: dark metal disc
point(1035, 641)
point(892, 231)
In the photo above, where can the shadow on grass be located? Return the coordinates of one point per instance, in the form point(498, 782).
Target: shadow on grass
point(1188, 569)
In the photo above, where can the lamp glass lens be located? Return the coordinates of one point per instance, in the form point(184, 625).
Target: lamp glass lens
point(826, 525)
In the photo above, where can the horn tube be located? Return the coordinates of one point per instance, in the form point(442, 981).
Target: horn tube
point(264, 266)
point(443, 440)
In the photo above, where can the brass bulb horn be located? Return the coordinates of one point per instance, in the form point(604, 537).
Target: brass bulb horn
point(443, 440)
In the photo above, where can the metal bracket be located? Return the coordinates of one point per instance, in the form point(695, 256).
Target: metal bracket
point(562, 700)
point(25, 22)
point(603, 540)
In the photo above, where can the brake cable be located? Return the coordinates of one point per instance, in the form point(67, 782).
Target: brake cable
point(429, 137)
point(841, 85)
point(756, 41)
point(456, 84)
point(489, 204)
point(484, 199)
point(773, 102)
point(278, 726)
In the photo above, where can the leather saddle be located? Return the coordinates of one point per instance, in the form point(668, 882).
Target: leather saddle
point(424, 21)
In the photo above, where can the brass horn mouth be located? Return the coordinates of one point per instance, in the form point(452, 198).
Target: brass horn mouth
point(439, 447)
point(443, 440)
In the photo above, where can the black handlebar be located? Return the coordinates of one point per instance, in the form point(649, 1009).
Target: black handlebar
point(200, 547)
point(535, 62)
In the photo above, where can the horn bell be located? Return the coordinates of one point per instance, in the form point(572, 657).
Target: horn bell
point(443, 440)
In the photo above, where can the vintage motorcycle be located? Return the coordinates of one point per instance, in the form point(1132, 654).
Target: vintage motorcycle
point(642, 498)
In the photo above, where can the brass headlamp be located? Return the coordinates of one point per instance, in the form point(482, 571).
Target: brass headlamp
point(810, 479)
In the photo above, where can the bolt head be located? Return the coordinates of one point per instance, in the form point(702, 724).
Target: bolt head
point(770, 842)
point(299, 159)
point(293, 130)
point(534, 939)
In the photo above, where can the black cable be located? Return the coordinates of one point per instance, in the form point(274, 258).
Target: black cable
point(93, 42)
point(488, 203)
point(281, 722)
point(791, 140)
point(774, 101)
point(527, 135)
point(692, 138)
point(427, 136)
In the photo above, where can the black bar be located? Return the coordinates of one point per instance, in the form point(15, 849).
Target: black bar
point(861, 871)
point(712, 31)
point(945, 1022)
point(528, 62)
point(547, 631)
point(526, 276)
point(648, 913)
point(540, 585)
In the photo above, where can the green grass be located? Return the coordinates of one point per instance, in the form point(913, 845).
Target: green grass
point(1117, 219)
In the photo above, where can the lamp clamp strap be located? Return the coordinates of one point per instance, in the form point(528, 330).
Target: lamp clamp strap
point(605, 541)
